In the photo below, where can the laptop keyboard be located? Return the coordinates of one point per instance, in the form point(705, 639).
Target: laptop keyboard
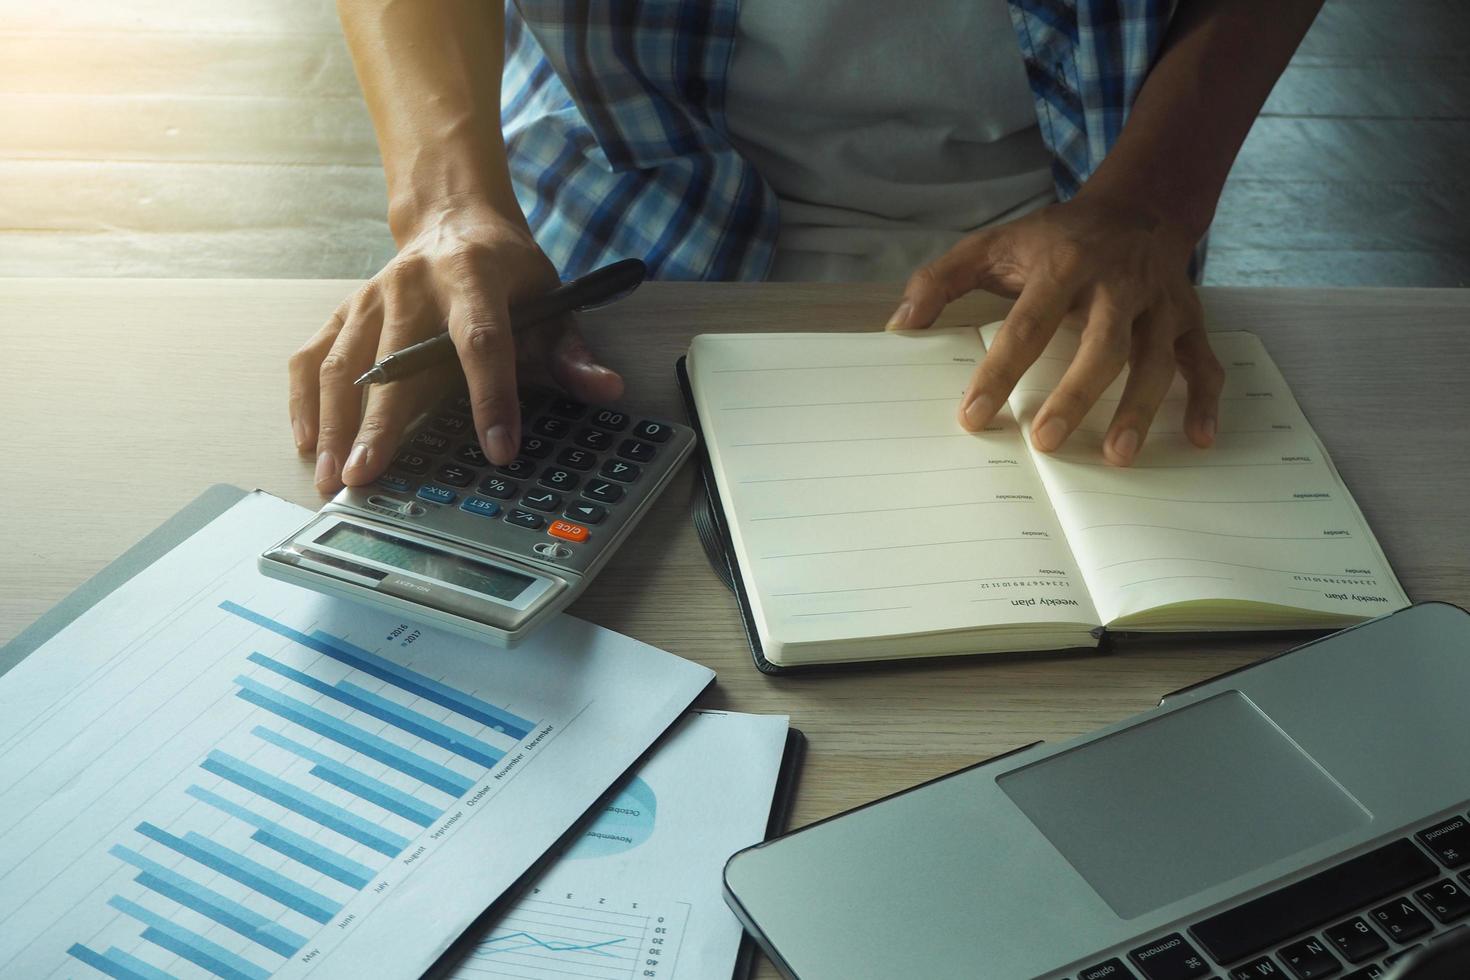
point(1359, 917)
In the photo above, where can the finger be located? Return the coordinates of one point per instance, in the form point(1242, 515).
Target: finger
point(391, 407)
point(575, 368)
point(1150, 373)
point(341, 400)
point(303, 370)
point(1106, 342)
point(1205, 379)
point(1021, 339)
point(480, 326)
point(947, 278)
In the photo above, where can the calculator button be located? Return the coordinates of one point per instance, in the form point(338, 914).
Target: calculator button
point(586, 513)
point(601, 490)
point(450, 424)
point(594, 439)
point(536, 447)
point(397, 484)
point(412, 462)
point(551, 427)
point(606, 418)
point(1309, 959)
point(427, 442)
point(653, 431)
point(541, 500)
point(484, 508)
point(471, 454)
point(494, 486)
point(567, 408)
point(577, 459)
point(455, 476)
point(618, 470)
point(436, 495)
point(556, 479)
point(567, 531)
point(638, 452)
point(1260, 968)
point(524, 518)
point(520, 468)
point(460, 404)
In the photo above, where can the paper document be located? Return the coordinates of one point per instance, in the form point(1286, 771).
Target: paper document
point(212, 773)
point(640, 895)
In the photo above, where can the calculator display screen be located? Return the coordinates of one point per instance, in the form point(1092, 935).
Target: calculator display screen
point(499, 583)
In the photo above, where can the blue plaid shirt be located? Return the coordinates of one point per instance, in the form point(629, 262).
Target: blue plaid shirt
point(614, 121)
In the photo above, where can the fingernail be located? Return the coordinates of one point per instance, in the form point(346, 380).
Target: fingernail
point(1125, 444)
point(358, 457)
point(980, 409)
point(498, 445)
point(326, 468)
point(1050, 435)
point(298, 432)
point(1209, 426)
point(900, 316)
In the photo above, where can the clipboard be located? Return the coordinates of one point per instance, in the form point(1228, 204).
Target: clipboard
point(219, 498)
point(204, 508)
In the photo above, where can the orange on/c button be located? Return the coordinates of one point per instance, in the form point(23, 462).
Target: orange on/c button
point(567, 531)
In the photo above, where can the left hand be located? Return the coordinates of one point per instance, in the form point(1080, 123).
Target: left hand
point(1115, 268)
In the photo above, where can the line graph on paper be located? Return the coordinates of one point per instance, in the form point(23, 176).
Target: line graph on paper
point(575, 937)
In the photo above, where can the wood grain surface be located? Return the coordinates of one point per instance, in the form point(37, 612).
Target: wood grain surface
point(123, 399)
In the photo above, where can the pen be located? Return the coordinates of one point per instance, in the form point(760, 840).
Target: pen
point(597, 288)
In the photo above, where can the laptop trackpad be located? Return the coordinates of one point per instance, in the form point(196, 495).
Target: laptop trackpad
point(1158, 812)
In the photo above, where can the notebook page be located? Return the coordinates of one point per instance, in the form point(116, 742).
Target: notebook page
point(1262, 516)
point(859, 506)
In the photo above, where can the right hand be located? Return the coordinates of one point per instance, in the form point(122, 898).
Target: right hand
point(463, 264)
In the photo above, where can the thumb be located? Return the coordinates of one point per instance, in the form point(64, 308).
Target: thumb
point(575, 368)
point(947, 278)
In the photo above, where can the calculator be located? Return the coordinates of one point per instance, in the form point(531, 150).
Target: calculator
point(489, 551)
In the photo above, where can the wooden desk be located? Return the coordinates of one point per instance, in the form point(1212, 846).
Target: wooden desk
point(123, 399)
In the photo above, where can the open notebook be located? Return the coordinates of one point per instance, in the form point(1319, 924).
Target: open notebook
point(866, 524)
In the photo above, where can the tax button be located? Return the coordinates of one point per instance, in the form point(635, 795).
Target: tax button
point(567, 531)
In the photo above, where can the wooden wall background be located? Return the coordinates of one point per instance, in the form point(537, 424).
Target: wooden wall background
point(206, 138)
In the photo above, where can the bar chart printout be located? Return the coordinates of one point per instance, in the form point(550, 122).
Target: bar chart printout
point(332, 784)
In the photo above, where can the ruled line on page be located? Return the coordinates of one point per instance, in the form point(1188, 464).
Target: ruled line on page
point(1178, 466)
point(860, 401)
point(916, 585)
point(838, 367)
point(848, 612)
point(1235, 564)
point(815, 442)
point(1221, 534)
point(886, 510)
point(1170, 578)
point(899, 547)
point(1192, 500)
point(854, 476)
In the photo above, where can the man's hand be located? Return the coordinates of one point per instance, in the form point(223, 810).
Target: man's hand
point(463, 264)
point(1121, 274)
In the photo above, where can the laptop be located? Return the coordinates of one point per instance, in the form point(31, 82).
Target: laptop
point(1306, 816)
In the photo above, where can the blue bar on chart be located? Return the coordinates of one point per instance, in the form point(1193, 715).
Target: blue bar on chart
point(192, 947)
point(252, 874)
point(358, 740)
point(210, 903)
point(117, 964)
point(379, 707)
point(301, 849)
point(357, 783)
point(326, 813)
point(399, 676)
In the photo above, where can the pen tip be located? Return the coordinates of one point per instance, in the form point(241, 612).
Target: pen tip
point(364, 379)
